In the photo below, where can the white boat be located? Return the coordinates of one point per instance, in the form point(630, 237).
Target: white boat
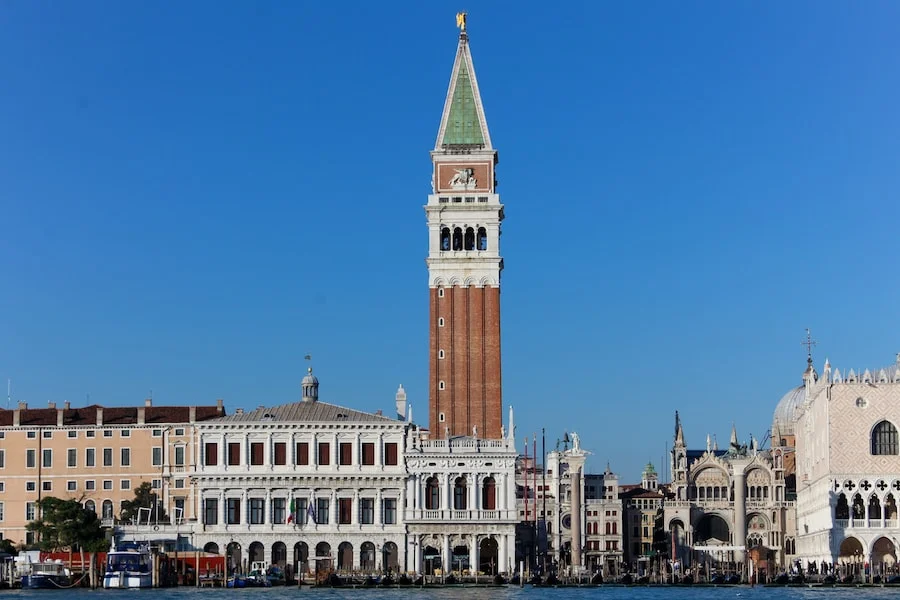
point(36, 574)
point(129, 566)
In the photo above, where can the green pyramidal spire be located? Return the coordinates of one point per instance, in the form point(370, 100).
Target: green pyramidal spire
point(463, 123)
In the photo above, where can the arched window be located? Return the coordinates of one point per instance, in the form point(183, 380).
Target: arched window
point(89, 505)
point(432, 494)
point(489, 494)
point(608, 528)
point(842, 509)
point(367, 556)
point(884, 439)
point(107, 509)
point(482, 238)
point(457, 239)
point(445, 238)
point(459, 493)
point(470, 239)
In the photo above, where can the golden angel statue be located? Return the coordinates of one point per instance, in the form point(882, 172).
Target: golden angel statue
point(461, 20)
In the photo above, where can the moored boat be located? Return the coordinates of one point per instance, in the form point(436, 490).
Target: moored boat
point(129, 566)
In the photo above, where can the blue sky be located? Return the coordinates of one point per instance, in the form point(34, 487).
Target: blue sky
point(195, 195)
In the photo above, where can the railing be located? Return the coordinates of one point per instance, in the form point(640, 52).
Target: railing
point(416, 514)
point(863, 523)
point(470, 444)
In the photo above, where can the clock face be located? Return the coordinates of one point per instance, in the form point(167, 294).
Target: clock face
point(567, 521)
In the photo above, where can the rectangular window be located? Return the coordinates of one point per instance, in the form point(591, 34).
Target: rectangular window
point(90, 457)
point(156, 484)
point(324, 453)
point(366, 511)
point(257, 511)
point(233, 509)
point(47, 486)
point(2, 486)
point(390, 511)
point(390, 453)
point(179, 456)
point(31, 435)
point(280, 454)
point(107, 484)
point(157, 433)
point(48, 435)
point(90, 433)
point(30, 486)
point(322, 507)
point(345, 452)
point(157, 456)
point(301, 510)
point(107, 433)
point(30, 458)
point(211, 511)
point(108, 460)
point(125, 433)
point(72, 457)
point(211, 454)
point(71, 486)
point(126, 457)
point(125, 484)
point(30, 508)
point(179, 484)
point(48, 458)
point(345, 506)
point(89, 485)
point(72, 434)
point(368, 453)
point(179, 431)
point(256, 453)
point(278, 511)
point(2, 459)
point(234, 454)
point(2, 511)
point(302, 453)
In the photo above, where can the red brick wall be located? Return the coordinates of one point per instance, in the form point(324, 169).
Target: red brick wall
point(470, 368)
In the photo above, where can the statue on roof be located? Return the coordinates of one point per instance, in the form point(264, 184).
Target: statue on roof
point(576, 442)
point(461, 20)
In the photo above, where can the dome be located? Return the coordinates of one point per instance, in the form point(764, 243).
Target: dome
point(784, 412)
point(310, 379)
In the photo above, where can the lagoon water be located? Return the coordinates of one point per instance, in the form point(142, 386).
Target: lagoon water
point(480, 593)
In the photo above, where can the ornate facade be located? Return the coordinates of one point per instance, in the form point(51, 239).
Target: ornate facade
point(728, 503)
point(848, 467)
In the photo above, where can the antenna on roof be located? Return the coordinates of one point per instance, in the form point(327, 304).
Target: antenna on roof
point(8, 392)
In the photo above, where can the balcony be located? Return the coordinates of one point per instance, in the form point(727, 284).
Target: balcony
point(865, 524)
point(466, 444)
point(481, 516)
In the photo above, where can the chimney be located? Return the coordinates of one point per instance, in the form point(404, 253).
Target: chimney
point(60, 417)
point(148, 402)
point(99, 416)
point(51, 404)
point(220, 406)
point(67, 405)
point(192, 414)
point(23, 405)
point(239, 411)
point(141, 415)
point(16, 417)
point(378, 412)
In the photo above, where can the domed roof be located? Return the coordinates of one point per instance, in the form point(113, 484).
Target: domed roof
point(784, 412)
point(310, 378)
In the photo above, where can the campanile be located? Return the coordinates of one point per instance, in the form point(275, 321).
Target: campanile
point(464, 264)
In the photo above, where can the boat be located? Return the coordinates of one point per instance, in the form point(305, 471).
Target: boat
point(129, 566)
point(36, 574)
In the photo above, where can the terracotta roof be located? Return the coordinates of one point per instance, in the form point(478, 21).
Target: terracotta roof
point(113, 415)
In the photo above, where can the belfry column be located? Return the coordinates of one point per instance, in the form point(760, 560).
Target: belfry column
point(576, 459)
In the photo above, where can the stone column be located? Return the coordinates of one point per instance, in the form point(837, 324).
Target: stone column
point(473, 555)
point(447, 558)
point(740, 509)
point(575, 482)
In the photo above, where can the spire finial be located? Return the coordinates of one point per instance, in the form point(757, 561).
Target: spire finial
point(809, 343)
point(461, 21)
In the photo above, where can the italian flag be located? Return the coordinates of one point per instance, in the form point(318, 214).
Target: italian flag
point(290, 517)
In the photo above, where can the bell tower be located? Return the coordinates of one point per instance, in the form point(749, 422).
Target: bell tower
point(464, 264)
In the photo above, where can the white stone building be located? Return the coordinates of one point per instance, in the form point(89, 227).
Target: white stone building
point(848, 467)
point(306, 485)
